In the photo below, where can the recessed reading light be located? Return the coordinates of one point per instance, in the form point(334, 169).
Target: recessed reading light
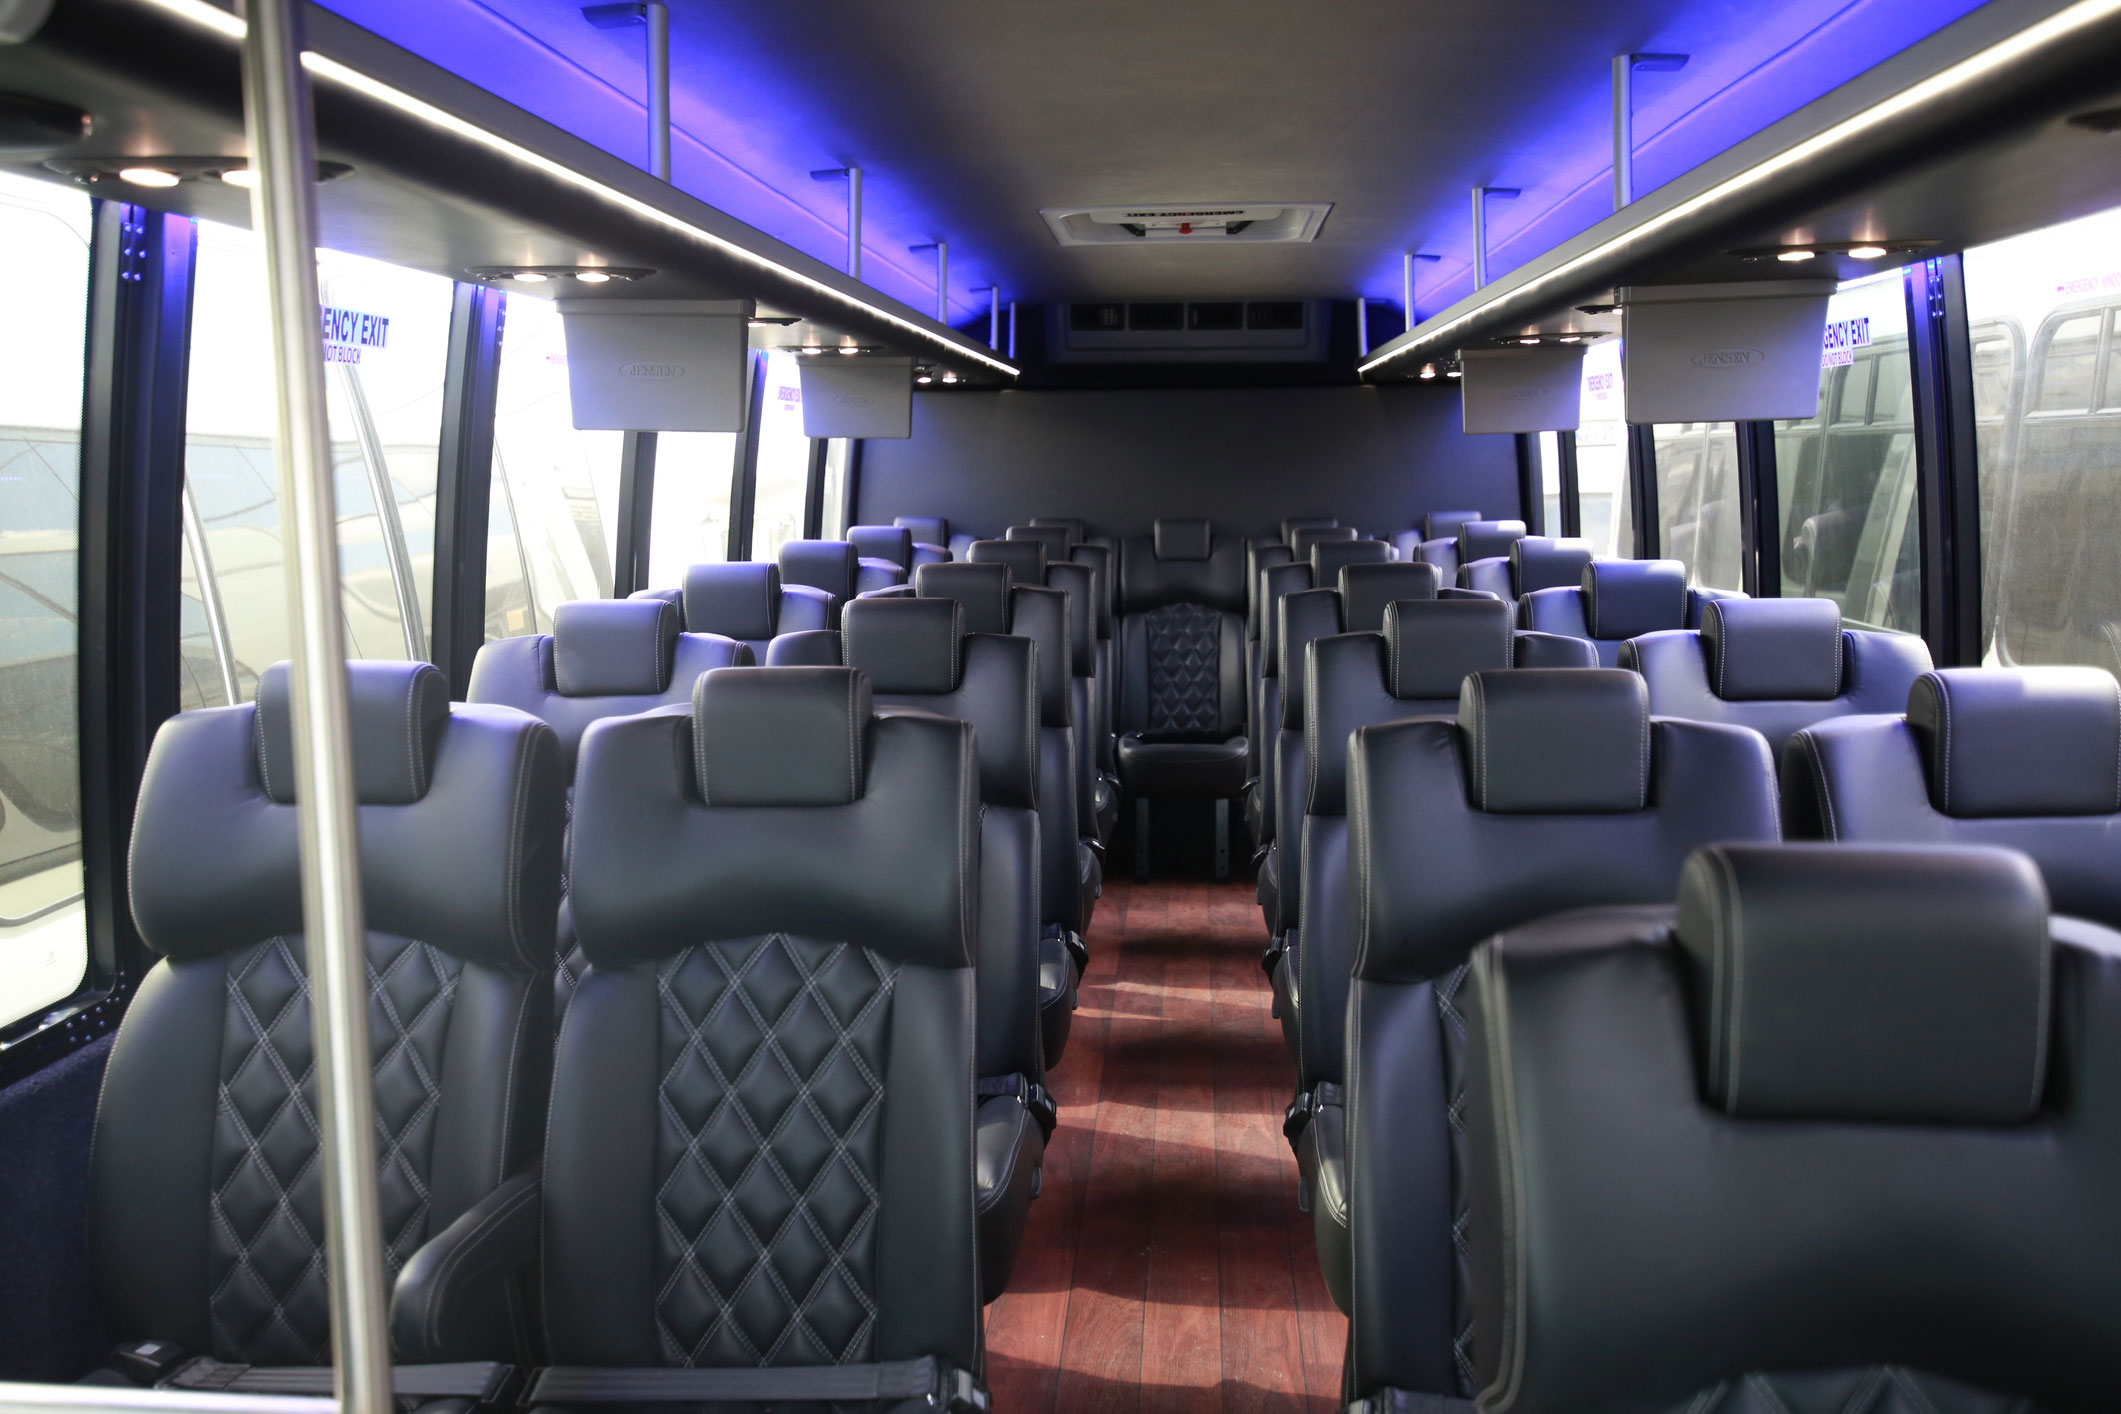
point(810, 349)
point(925, 378)
point(1569, 339)
point(591, 277)
point(531, 277)
point(1528, 341)
point(847, 350)
point(148, 177)
point(242, 177)
point(1866, 252)
point(1428, 370)
point(949, 377)
point(1793, 256)
point(1453, 373)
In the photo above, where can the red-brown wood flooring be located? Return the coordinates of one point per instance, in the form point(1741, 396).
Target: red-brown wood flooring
point(1166, 1267)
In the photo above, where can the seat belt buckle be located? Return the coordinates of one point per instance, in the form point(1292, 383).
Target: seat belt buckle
point(1077, 949)
point(146, 1362)
point(1271, 957)
point(958, 1393)
point(1296, 1117)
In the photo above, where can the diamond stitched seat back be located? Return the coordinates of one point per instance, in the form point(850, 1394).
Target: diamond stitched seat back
point(1185, 669)
point(1882, 1389)
point(267, 1298)
point(768, 1150)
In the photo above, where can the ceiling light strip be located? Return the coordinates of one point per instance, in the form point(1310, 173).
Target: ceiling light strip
point(2055, 29)
point(211, 17)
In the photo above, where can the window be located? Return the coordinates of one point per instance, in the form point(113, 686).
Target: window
point(386, 341)
point(839, 456)
point(44, 228)
point(689, 518)
point(1697, 501)
point(1550, 482)
point(552, 517)
point(1846, 479)
point(1602, 456)
point(782, 484)
point(2041, 309)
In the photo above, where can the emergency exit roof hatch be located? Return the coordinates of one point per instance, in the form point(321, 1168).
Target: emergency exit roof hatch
point(1210, 222)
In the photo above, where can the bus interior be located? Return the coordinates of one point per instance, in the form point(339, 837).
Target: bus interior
point(738, 707)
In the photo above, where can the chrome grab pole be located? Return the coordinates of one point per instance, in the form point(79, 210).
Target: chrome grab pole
point(279, 122)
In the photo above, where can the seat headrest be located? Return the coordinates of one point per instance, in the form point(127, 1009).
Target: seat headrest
point(613, 647)
point(2019, 741)
point(1365, 590)
point(1184, 539)
point(1531, 649)
point(1026, 559)
point(1556, 741)
point(1332, 556)
point(829, 565)
point(927, 530)
point(742, 600)
point(882, 542)
point(1041, 615)
point(1304, 537)
point(1098, 559)
point(1442, 525)
point(1303, 618)
point(1540, 562)
point(1290, 526)
point(1624, 598)
point(1487, 539)
point(1078, 530)
point(1868, 982)
point(1773, 649)
point(982, 589)
point(394, 717)
point(1079, 582)
point(905, 645)
point(1432, 645)
point(1058, 539)
point(780, 736)
point(1276, 582)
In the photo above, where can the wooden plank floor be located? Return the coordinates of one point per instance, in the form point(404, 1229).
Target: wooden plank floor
point(1166, 1266)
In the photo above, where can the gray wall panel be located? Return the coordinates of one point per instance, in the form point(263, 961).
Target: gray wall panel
point(1247, 457)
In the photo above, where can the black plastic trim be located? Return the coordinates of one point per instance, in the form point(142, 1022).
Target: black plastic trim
point(1947, 460)
point(464, 481)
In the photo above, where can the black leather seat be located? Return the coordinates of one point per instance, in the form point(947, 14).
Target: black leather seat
point(205, 1195)
point(892, 545)
point(931, 538)
point(1616, 601)
point(1435, 540)
point(830, 565)
point(746, 601)
point(1775, 665)
point(917, 655)
point(1552, 790)
point(1068, 880)
point(1182, 709)
point(1531, 562)
point(762, 1167)
point(1408, 663)
point(1468, 541)
point(603, 658)
point(2023, 758)
point(1873, 1176)
point(1278, 577)
point(1069, 540)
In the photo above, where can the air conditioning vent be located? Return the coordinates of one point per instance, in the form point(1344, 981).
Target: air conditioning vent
point(1198, 222)
point(1190, 331)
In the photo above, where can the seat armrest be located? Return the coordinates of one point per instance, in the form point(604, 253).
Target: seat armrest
point(457, 1298)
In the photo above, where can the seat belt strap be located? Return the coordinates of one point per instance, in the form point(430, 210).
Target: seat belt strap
point(944, 1387)
point(480, 1380)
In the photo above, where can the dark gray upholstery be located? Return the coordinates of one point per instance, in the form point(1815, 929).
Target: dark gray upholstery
point(1182, 690)
point(740, 717)
point(1556, 743)
point(2031, 737)
point(395, 713)
point(205, 1196)
point(1531, 562)
point(762, 1149)
point(613, 647)
point(1026, 559)
point(1291, 524)
point(1433, 874)
point(1774, 665)
point(893, 543)
point(1487, 539)
point(1618, 600)
point(1264, 715)
point(1328, 559)
point(1907, 1265)
point(1921, 995)
point(812, 648)
point(927, 530)
point(830, 565)
point(1058, 539)
point(905, 645)
point(982, 589)
point(1303, 539)
point(746, 601)
point(1366, 590)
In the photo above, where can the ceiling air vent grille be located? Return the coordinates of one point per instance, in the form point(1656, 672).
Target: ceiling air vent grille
point(1198, 223)
point(1188, 331)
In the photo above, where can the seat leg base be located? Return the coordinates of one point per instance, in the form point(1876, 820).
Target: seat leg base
point(1222, 841)
point(1141, 839)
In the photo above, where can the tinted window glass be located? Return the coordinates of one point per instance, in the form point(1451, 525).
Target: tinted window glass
point(44, 228)
point(553, 530)
point(386, 350)
point(689, 521)
point(1602, 455)
point(2050, 467)
point(1846, 490)
point(783, 474)
point(839, 455)
point(1697, 500)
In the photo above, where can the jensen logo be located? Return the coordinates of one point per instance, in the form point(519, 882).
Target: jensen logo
point(652, 372)
point(1728, 358)
point(854, 400)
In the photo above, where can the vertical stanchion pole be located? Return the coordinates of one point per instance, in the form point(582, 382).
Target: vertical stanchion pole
point(1012, 331)
point(1623, 130)
point(1362, 327)
point(942, 276)
point(279, 122)
point(1407, 279)
point(658, 16)
point(1480, 229)
point(852, 176)
point(994, 317)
